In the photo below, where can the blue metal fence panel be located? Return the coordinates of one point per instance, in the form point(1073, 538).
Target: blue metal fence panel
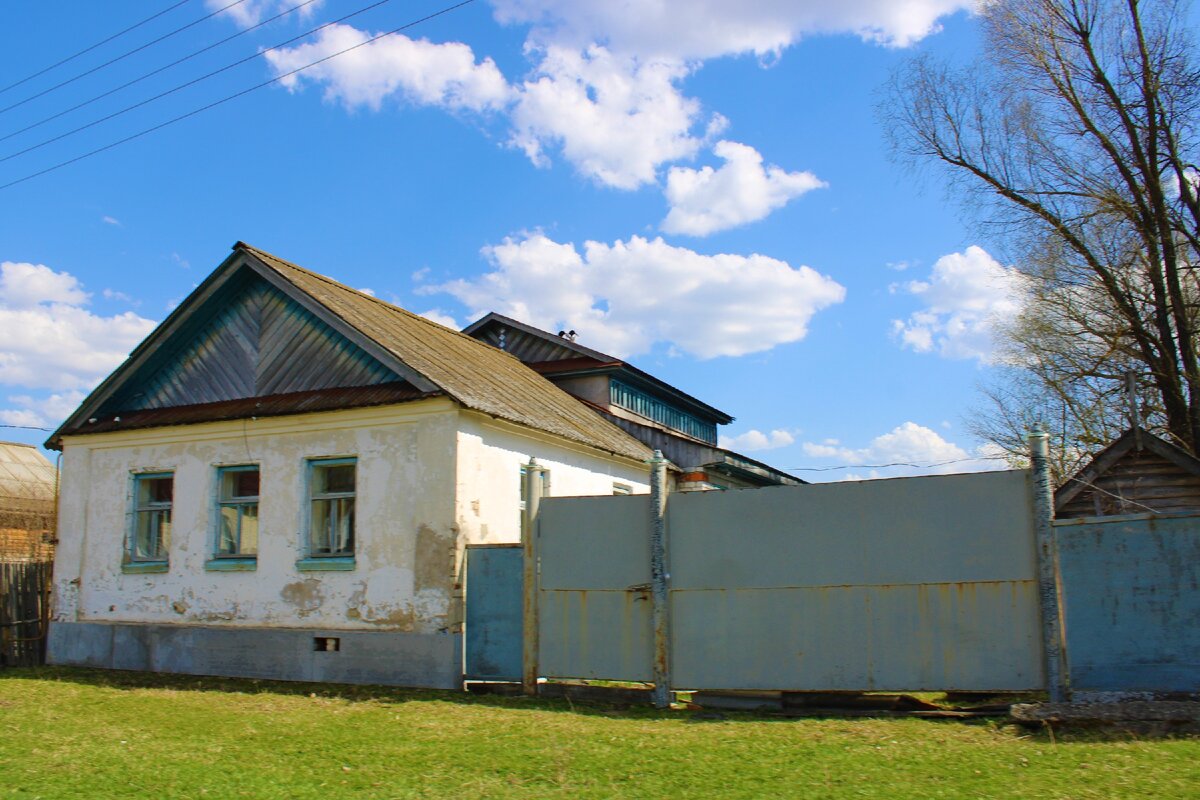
point(1131, 595)
point(494, 613)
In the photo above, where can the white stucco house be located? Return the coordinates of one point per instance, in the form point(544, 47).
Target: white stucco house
point(280, 482)
point(282, 479)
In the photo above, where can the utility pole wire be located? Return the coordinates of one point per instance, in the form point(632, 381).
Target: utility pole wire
point(224, 100)
point(112, 61)
point(163, 68)
point(192, 82)
point(93, 47)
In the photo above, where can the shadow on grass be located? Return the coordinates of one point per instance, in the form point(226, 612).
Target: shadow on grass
point(123, 680)
point(129, 680)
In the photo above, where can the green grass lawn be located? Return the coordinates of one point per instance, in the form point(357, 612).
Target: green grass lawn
point(95, 734)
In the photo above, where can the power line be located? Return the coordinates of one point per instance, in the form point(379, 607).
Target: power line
point(192, 82)
point(27, 428)
point(163, 68)
point(896, 464)
point(124, 55)
point(93, 47)
point(246, 91)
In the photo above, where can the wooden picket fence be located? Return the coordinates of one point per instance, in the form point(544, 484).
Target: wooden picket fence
point(24, 612)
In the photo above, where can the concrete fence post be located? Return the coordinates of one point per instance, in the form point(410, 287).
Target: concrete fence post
point(1048, 573)
point(529, 541)
point(660, 580)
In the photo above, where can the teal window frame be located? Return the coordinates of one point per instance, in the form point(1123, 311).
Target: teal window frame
point(333, 560)
point(150, 509)
point(625, 396)
point(239, 561)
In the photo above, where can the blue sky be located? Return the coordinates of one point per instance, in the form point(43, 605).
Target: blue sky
point(702, 188)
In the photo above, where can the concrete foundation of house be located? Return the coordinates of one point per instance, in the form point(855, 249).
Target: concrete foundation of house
point(425, 660)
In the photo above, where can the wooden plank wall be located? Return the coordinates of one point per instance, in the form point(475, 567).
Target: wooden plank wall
point(24, 612)
point(1140, 482)
point(260, 343)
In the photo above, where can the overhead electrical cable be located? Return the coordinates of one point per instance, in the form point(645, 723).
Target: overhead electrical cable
point(898, 464)
point(192, 82)
point(56, 64)
point(163, 68)
point(243, 92)
point(123, 56)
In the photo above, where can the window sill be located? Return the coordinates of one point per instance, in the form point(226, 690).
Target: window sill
point(144, 567)
point(231, 565)
point(326, 564)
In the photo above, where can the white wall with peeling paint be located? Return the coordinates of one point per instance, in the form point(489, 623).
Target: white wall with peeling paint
point(430, 479)
point(405, 526)
point(490, 455)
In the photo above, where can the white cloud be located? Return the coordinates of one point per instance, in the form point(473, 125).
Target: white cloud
point(705, 200)
point(966, 296)
point(908, 449)
point(605, 91)
point(251, 12)
point(615, 119)
point(419, 71)
point(625, 297)
point(753, 440)
point(112, 294)
point(41, 412)
point(700, 29)
point(107, 220)
point(441, 318)
point(28, 285)
point(48, 338)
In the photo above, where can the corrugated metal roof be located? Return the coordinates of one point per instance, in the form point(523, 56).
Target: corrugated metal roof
point(27, 482)
point(25, 473)
point(531, 344)
point(477, 375)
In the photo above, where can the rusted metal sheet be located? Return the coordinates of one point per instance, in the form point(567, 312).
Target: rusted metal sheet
point(913, 637)
point(594, 595)
point(1131, 592)
point(908, 584)
point(905, 584)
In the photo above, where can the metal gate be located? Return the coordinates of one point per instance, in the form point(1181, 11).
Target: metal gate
point(494, 613)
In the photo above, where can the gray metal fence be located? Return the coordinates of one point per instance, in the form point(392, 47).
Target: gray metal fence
point(908, 584)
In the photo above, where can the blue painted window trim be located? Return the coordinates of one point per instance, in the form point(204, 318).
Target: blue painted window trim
point(144, 567)
point(217, 503)
point(231, 564)
point(639, 402)
point(326, 564)
point(310, 561)
point(131, 564)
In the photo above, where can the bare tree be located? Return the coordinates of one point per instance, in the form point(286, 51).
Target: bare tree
point(1075, 140)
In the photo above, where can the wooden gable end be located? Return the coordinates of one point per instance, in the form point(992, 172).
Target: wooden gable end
point(528, 347)
point(1158, 478)
point(249, 340)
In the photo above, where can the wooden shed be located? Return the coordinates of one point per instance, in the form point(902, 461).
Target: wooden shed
point(1138, 473)
point(27, 503)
